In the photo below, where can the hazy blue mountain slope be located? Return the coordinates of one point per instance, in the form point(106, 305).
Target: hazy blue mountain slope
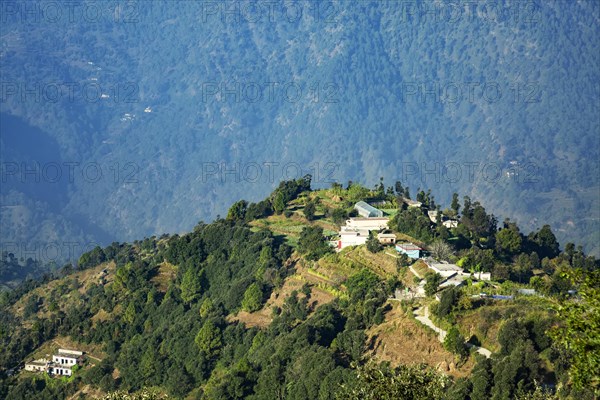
point(348, 86)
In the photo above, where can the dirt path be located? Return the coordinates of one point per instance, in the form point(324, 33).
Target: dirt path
point(423, 317)
point(414, 271)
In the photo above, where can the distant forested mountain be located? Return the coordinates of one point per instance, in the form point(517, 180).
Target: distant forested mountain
point(126, 119)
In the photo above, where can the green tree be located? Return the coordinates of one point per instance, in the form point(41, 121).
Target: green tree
point(402, 261)
point(373, 244)
point(448, 299)
point(191, 285)
point(545, 239)
point(508, 239)
point(206, 308)
point(460, 390)
point(237, 212)
point(454, 342)
point(31, 306)
point(579, 327)
point(481, 379)
point(208, 339)
point(442, 232)
point(279, 203)
point(522, 267)
point(143, 394)
point(309, 210)
point(362, 284)
point(312, 243)
point(406, 382)
point(455, 206)
point(433, 280)
point(338, 215)
point(516, 372)
point(130, 313)
point(148, 365)
point(511, 333)
point(398, 187)
point(253, 298)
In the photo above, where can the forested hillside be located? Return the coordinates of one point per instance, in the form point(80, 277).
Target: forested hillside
point(149, 116)
point(257, 305)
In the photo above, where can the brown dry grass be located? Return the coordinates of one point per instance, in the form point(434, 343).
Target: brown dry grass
point(402, 340)
point(166, 274)
point(84, 280)
point(421, 267)
point(262, 318)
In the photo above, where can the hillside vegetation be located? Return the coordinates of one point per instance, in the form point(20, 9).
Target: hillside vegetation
point(258, 305)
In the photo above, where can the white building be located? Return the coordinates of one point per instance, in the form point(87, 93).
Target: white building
point(66, 357)
point(40, 365)
point(352, 237)
point(443, 268)
point(483, 276)
point(450, 223)
point(456, 281)
point(432, 214)
point(62, 363)
point(371, 224)
point(64, 370)
point(386, 238)
point(412, 203)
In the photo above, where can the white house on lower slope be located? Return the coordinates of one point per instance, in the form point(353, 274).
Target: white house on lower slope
point(62, 363)
point(67, 357)
point(64, 370)
point(40, 365)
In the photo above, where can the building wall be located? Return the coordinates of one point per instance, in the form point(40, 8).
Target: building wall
point(483, 276)
point(372, 225)
point(349, 240)
point(62, 371)
point(64, 360)
point(446, 273)
point(34, 368)
point(387, 240)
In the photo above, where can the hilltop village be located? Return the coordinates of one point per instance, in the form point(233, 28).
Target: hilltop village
point(371, 221)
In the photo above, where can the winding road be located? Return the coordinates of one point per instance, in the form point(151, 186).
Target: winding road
point(422, 315)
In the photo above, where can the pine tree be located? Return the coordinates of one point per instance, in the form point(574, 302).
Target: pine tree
point(253, 298)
